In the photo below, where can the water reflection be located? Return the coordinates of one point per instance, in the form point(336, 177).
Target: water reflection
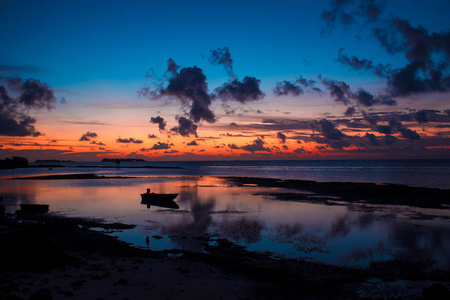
point(207, 207)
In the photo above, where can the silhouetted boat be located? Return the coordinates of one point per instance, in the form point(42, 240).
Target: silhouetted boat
point(162, 200)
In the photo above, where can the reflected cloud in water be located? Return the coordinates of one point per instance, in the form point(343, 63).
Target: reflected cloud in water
point(208, 207)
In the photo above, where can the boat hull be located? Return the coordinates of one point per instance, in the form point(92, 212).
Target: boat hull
point(162, 200)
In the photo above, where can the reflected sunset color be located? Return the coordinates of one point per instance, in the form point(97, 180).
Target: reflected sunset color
point(209, 208)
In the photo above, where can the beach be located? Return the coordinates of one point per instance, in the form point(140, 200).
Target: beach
point(228, 237)
point(62, 261)
point(56, 256)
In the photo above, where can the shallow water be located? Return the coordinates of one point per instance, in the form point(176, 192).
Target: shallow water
point(210, 208)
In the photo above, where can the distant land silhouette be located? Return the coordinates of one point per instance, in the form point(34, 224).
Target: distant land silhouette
point(14, 162)
point(122, 160)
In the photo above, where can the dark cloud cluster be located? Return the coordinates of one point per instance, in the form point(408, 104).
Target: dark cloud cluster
point(428, 57)
point(281, 137)
point(363, 64)
point(129, 141)
point(346, 12)
point(160, 146)
point(17, 97)
point(160, 121)
point(185, 127)
point(242, 91)
point(222, 56)
point(327, 129)
point(297, 88)
point(395, 126)
point(342, 93)
point(256, 146)
point(188, 86)
point(193, 143)
point(88, 136)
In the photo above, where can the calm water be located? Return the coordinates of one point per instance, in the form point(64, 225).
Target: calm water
point(209, 207)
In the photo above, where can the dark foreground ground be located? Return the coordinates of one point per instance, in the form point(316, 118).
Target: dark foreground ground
point(54, 257)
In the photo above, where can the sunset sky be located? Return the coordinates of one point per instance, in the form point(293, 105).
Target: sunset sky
point(224, 80)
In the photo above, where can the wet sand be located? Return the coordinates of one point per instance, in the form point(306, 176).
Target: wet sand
point(373, 193)
point(54, 257)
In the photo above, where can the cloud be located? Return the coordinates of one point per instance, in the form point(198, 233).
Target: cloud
point(339, 90)
point(152, 136)
point(17, 97)
point(193, 143)
point(296, 88)
point(363, 64)
point(300, 151)
point(88, 136)
point(185, 127)
point(256, 146)
point(372, 138)
point(327, 129)
point(281, 137)
point(233, 146)
point(223, 57)
point(347, 12)
point(129, 141)
point(350, 111)
point(160, 146)
point(188, 86)
point(285, 88)
point(395, 126)
point(160, 121)
point(241, 91)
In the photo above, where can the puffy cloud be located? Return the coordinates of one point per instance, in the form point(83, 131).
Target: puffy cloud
point(281, 137)
point(327, 129)
point(347, 12)
point(350, 111)
point(285, 88)
point(160, 121)
point(222, 57)
point(129, 141)
point(160, 146)
point(188, 86)
point(256, 146)
point(241, 91)
point(339, 90)
point(296, 88)
point(185, 127)
point(88, 136)
point(17, 96)
point(233, 146)
point(372, 138)
point(363, 64)
point(300, 151)
point(193, 143)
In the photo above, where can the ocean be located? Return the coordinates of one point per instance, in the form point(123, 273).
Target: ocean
point(420, 173)
point(353, 234)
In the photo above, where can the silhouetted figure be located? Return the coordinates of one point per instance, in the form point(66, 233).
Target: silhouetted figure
point(148, 191)
point(147, 241)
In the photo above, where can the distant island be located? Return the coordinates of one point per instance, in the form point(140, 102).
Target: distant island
point(53, 161)
point(14, 162)
point(122, 160)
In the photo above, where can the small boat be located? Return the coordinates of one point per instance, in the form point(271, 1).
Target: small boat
point(162, 200)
